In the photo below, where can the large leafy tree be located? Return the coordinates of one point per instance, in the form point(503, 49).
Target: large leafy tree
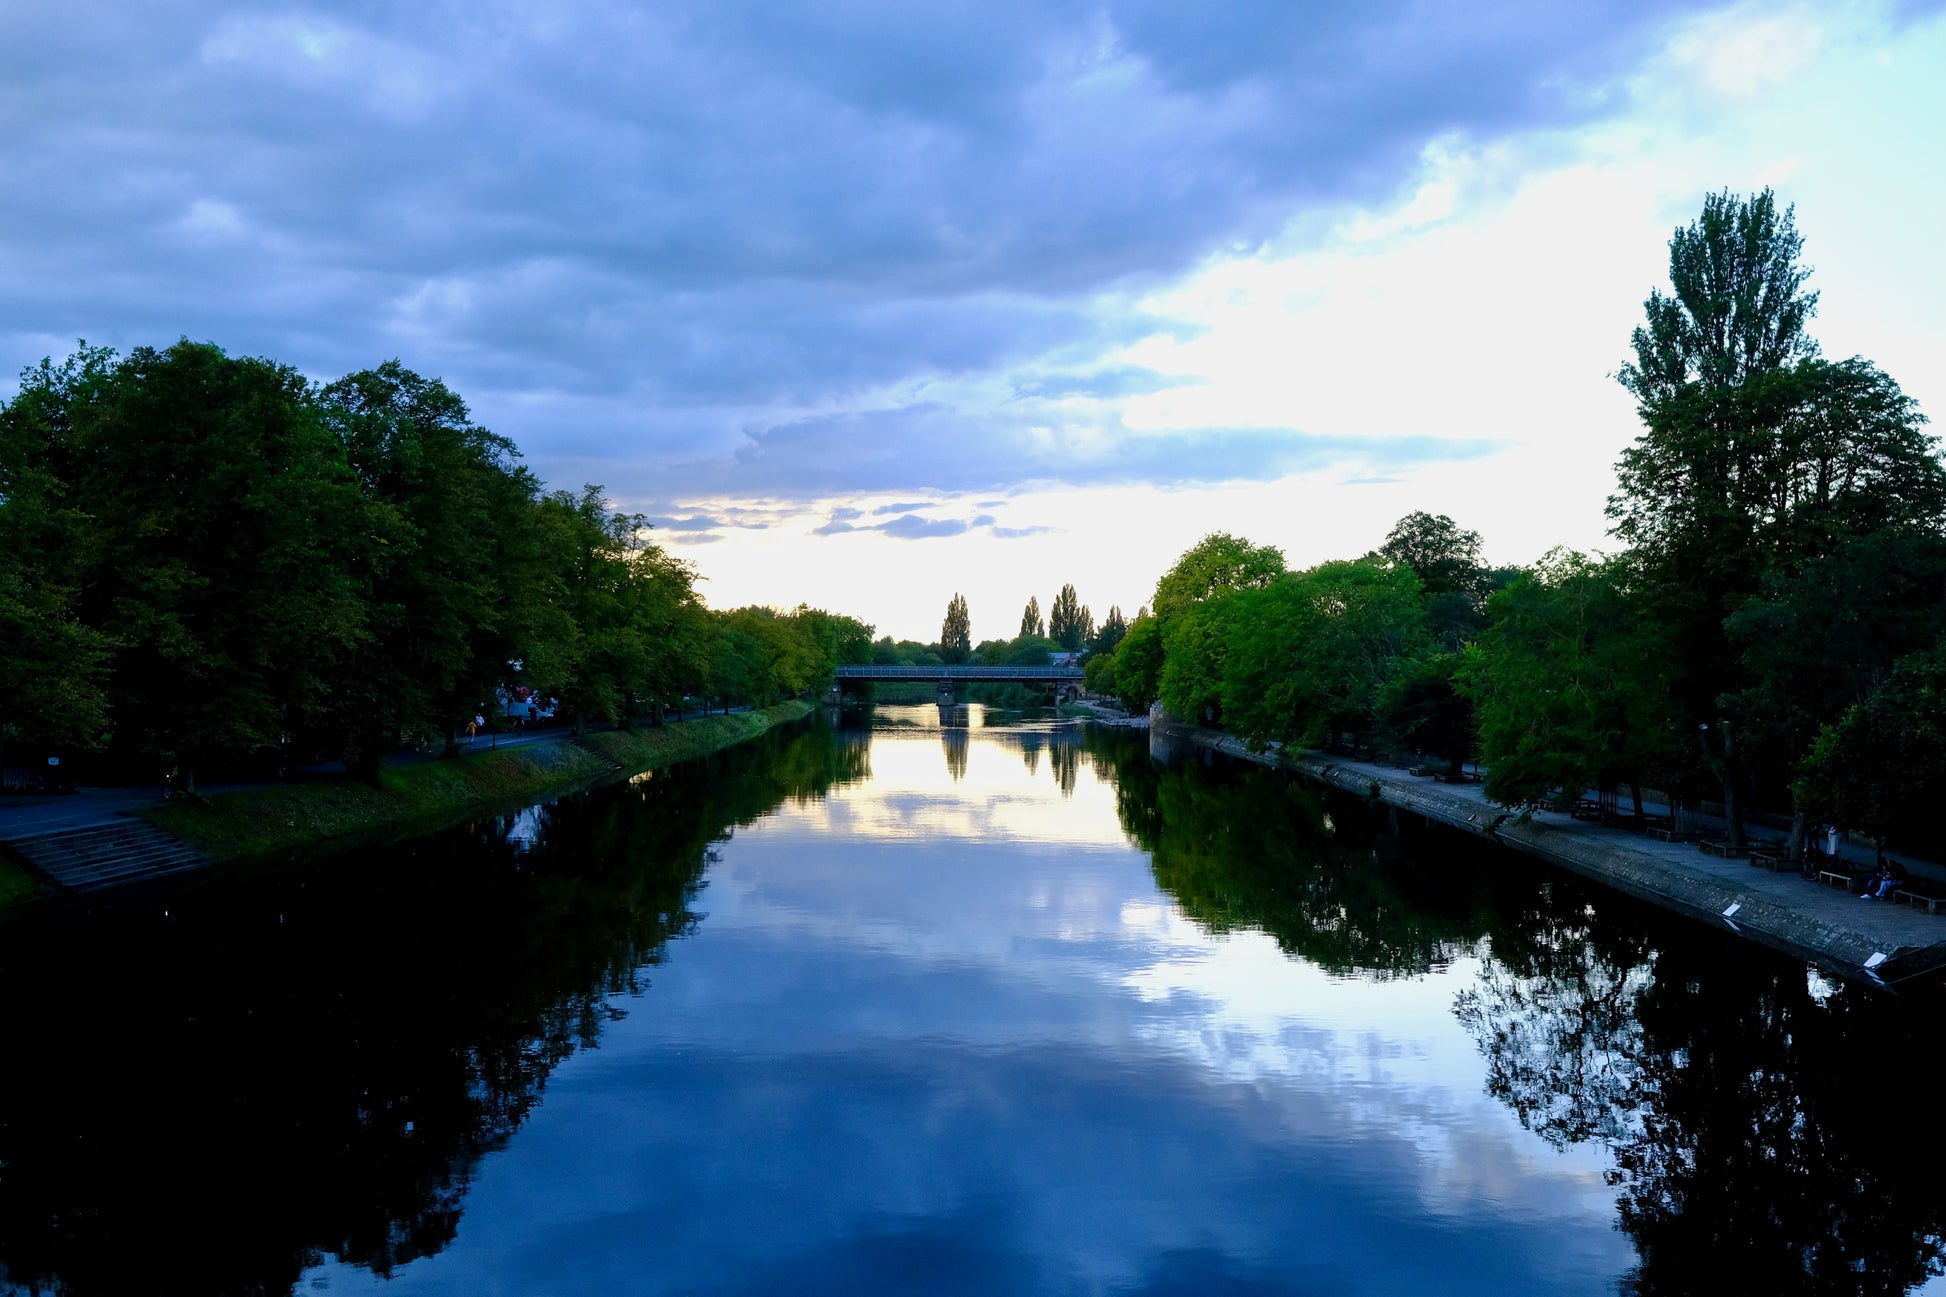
point(458, 579)
point(1313, 655)
point(1138, 663)
point(1569, 687)
point(1454, 578)
point(1445, 556)
point(226, 531)
point(54, 664)
point(1215, 565)
point(1882, 765)
point(1756, 455)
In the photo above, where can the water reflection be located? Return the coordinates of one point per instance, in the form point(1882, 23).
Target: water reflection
point(1751, 1118)
point(1045, 1015)
point(212, 1097)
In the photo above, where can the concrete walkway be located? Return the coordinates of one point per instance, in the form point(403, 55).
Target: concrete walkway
point(1875, 941)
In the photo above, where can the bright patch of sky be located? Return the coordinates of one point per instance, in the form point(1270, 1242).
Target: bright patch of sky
point(875, 304)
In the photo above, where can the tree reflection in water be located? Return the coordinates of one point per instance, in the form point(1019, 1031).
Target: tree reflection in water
point(209, 1098)
point(1764, 1137)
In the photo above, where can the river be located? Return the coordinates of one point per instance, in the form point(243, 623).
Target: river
point(1003, 1004)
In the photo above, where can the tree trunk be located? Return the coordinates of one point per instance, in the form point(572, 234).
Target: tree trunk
point(1635, 798)
point(1732, 808)
point(1794, 846)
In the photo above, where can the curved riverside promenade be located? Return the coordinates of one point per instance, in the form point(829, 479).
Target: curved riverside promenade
point(1875, 942)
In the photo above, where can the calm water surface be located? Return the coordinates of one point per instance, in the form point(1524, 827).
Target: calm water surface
point(1003, 1005)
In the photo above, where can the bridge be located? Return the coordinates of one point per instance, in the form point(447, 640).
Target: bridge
point(968, 674)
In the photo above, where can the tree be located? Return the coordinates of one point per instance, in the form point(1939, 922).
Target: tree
point(1215, 565)
point(458, 581)
point(1425, 709)
point(1446, 559)
point(1030, 618)
point(1817, 640)
point(1314, 653)
point(1755, 455)
point(226, 531)
point(1880, 767)
point(55, 666)
point(1068, 622)
point(1570, 687)
point(956, 635)
point(1454, 579)
point(1738, 309)
point(1113, 628)
point(1138, 664)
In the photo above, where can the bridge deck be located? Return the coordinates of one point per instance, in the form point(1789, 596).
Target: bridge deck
point(869, 671)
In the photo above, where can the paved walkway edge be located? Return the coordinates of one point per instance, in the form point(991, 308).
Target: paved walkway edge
point(1810, 929)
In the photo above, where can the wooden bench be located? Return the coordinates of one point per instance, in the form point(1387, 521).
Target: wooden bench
point(1721, 847)
point(1916, 899)
point(1775, 861)
point(1586, 809)
point(1836, 878)
point(1662, 834)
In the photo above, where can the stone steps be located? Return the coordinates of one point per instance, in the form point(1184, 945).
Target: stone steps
point(101, 856)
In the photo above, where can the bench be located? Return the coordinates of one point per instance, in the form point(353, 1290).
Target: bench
point(1721, 847)
point(1775, 861)
point(1837, 878)
point(1586, 809)
point(1664, 834)
point(1916, 899)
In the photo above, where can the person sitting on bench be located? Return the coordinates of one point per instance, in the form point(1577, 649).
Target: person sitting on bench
point(1886, 879)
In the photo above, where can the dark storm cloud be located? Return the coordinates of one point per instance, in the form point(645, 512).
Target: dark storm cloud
point(624, 232)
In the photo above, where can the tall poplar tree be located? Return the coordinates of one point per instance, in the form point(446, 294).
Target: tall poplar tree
point(956, 634)
point(1065, 621)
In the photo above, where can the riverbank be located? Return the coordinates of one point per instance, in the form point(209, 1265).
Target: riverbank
point(286, 822)
point(1869, 941)
point(305, 819)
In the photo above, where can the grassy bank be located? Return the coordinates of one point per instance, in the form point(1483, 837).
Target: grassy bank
point(299, 819)
point(16, 884)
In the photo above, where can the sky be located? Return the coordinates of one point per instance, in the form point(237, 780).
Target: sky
point(870, 302)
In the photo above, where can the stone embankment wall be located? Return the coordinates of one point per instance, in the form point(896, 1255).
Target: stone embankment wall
point(1779, 910)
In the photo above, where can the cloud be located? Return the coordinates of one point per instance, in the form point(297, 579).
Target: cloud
point(956, 451)
point(912, 527)
point(902, 508)
point(626, 232)
point(1017, 533)
point(1120, 380)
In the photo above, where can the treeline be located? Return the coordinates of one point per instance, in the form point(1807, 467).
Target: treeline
point(202, 554)
point(1771, 631)
point(1069, 627)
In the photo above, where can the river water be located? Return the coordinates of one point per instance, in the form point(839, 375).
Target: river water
point(964, 1003)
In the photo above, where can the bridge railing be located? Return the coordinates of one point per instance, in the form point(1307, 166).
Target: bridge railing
point(944, 671)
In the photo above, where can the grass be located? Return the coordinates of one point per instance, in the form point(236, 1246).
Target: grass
point(298, 819)
point(16, 884)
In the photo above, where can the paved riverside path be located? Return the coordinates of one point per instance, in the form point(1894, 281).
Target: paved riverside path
point(1832, 927)
point(93, 839)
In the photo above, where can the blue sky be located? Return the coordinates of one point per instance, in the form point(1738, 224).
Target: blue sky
point(1069, 284)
